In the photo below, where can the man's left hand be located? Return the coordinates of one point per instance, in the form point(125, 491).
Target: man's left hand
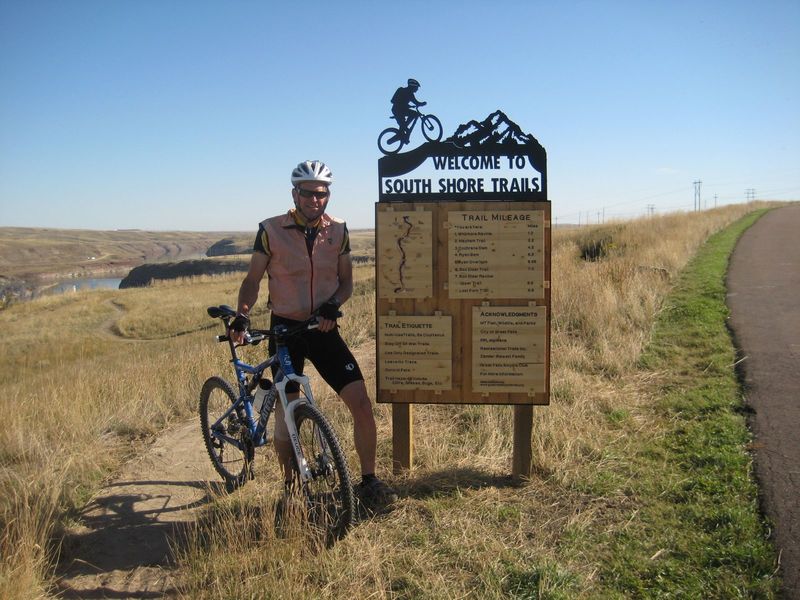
point(328, 313)
point(326, 325)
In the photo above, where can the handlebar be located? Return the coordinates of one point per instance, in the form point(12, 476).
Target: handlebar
point(256, 336)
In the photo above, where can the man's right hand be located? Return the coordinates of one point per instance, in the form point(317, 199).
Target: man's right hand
point(239, 326)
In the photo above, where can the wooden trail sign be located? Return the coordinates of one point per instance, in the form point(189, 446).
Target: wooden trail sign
point(463, 241)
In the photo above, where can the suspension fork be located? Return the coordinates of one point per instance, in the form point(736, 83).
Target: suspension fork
point(289, 408)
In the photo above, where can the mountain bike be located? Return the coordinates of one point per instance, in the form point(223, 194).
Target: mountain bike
point(232, 430)
point(391, 140)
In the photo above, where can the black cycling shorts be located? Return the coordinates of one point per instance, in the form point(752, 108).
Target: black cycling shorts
point(328, 352)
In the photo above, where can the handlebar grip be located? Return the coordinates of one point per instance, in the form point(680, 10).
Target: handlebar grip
point(313, 323)
point(222, 338)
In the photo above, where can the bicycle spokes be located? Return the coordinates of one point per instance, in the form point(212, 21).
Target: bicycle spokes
point(224, 432)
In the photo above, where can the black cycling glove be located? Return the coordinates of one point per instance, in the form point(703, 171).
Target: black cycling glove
point(330, 310)
point(240, 323)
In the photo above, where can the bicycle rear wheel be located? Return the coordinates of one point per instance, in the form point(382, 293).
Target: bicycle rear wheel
point(328, 494)
point(226, 439)
point(390, 140)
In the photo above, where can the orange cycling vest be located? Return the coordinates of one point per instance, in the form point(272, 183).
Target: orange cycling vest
point(300, 282)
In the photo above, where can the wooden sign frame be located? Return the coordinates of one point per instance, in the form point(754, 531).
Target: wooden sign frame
point(399, 303)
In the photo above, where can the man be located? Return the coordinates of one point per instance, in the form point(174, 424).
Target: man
point(306, 256)
point(403, 104)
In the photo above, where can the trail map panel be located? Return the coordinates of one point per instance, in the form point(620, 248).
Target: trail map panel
point(405, 252)
point(415, 353)
point(496, 254)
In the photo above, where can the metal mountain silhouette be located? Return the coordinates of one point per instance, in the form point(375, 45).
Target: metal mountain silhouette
point(497, 128)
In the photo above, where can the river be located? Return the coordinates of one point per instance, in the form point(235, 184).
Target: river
point(90, 283)
point(97, 283)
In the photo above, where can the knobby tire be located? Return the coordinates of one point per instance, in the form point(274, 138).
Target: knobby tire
point(328, 496)
point(232, 463)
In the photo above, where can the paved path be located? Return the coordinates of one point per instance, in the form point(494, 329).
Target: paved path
point(764, 299)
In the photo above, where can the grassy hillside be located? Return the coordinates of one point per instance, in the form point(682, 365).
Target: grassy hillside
point(96, 374)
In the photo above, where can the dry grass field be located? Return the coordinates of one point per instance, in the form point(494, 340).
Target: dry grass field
point(89, 378)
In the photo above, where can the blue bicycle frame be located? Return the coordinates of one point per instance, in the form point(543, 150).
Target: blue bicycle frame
point(284, 374)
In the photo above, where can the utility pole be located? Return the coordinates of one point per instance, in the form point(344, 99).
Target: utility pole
point(697, 186)
point(715, 201)
point(651, 209)
point(750, 194)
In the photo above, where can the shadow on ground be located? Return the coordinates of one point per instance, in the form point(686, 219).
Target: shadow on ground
point(132, 526)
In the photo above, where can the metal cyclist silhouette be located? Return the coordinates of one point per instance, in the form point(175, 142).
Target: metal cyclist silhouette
point(405, 110)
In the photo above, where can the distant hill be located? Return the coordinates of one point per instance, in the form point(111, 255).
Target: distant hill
point(32, 258)
point(54, 253)
point(230, 246)
point(362, 244)
point(143, 275)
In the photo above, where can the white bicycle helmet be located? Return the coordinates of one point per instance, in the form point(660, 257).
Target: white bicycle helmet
point(312, 170)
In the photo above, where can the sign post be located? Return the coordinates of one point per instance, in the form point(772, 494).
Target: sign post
point(463, 277)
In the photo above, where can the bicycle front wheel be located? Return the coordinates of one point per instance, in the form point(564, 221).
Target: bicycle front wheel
point(390, 140)
point(328, 495)
point(431, 128)
point(225, 436)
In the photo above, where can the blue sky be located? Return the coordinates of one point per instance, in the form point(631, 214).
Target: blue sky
point(190, 115)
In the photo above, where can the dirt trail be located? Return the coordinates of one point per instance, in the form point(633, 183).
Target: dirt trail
point(122, 548)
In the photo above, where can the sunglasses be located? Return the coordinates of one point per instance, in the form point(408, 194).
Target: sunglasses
point(313, 194)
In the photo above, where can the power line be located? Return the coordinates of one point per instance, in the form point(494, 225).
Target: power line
point(697, 185)
point(580, 215)
point(583, 216)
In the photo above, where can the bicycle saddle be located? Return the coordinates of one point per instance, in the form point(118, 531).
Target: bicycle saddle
point(222, 310)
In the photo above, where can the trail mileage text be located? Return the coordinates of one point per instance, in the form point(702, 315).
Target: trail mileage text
point(496, 254)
